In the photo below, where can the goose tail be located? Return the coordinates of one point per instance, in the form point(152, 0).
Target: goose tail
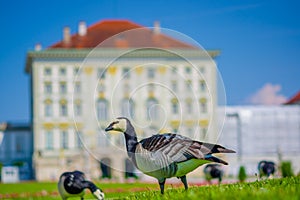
point(215, 148)
point(215, 159)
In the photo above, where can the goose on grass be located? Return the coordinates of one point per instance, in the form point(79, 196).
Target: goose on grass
point(266, 168)
point(166, 155)
point(73, 184)
point(212, 171)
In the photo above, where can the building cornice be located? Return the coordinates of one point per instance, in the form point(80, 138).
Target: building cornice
point(112, 52)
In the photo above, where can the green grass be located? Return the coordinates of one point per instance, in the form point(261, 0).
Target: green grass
point(48, 190)
point(285, 188)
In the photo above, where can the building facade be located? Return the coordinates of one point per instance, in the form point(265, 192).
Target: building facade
point(262, 133)
point(162, 84)
point(16, 148)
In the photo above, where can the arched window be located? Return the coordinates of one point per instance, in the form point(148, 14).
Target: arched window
point(174, 102)
point(105, 164)
point(63, 107)
point(63, 87)
point(48, 88)
point(189, 107)
point(152, 109)
point(48, 108)
point(202, 85)
point(64, 139)
point(77, 107)
point(127, 108)
point(102, 109)
point(49, 140)
point(79, 138)
point(203, 105)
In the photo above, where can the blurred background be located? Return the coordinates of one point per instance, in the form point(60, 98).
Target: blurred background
point(244, 95)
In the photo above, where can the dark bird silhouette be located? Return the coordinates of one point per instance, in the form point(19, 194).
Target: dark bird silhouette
point(73, 184)
point(266, 168)
point(213, 171)
point(166, 155)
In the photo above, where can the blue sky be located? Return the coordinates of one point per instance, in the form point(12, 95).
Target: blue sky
point(259, 41)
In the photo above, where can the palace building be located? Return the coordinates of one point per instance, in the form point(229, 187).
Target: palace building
point(115, 68)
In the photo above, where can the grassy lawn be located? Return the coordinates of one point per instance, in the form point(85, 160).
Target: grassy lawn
point(48, 190)
point(286, 188)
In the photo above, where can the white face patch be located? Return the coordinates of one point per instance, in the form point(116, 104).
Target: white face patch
point(119, 125)
point(122, 125)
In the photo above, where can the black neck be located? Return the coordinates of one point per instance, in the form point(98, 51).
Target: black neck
point(131, 140)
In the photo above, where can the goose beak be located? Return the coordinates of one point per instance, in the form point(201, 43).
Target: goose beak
point(109, 128)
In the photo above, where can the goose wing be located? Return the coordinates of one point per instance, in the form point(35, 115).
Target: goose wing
point(178, 148)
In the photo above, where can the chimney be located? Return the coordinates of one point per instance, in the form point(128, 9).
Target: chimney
point(66, 35)
point(156, 29)
point(38, 47)
point(82, 29)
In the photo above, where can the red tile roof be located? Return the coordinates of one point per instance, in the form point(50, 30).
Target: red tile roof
point(103, 30)
point(294, 100)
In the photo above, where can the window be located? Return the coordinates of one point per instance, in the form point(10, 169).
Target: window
point(101, 87)
point(189, 107)
point(152, 109)
point(175, 107)
point(127, 108)
point(47, 71)
point(151, 87)
point(62, 87)
point(151, 72)
point(102, 109)
point(48, 109)
point(202, 86)
point(188, 85)
point(188, 70)
point(63, 108)
point(62, 71)
point(101, 73)
point(79, 138)
point(126, 88)
point(19, 144)
point(77, 88)
point(174, 70)
point(126, 73)
point(76, 71)
point(202, 70)
point(48, 88)
point(203, 105)
point(203, 133)
point(49, 140)
point(174, 103)
point(174, 86)
point(77, 108)
point(64, 139)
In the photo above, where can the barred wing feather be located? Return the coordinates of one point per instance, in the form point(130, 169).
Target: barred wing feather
point(178, 148)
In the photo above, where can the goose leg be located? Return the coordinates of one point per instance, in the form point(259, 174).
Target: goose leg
point(183, 180)
point(162, 185)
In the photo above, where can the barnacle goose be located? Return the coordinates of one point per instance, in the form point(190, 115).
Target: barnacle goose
point(73, 184)
point(212, 171)
point(266, 168)
point(166, 155)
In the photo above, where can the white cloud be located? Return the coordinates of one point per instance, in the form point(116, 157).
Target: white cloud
point(267, 95)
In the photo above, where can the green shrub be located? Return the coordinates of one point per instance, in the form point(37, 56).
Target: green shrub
point(242, 174)
point(286, 169)
point(18, 163)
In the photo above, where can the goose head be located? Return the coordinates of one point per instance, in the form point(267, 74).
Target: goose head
point(119, 124)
